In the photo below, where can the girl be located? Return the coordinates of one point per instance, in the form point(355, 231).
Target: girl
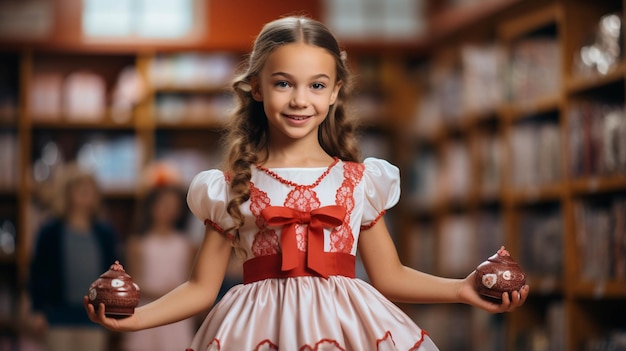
point(297, 201)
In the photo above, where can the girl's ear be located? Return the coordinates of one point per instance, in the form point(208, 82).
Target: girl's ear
point(256, 89)
point(335, 93)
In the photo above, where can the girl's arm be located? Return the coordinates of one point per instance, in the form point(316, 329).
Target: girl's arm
point(403, 284)
point(188, 299)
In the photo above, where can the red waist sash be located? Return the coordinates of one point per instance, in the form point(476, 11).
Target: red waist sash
point(269, 266)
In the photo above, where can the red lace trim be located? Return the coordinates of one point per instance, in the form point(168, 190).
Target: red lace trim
point(342, 238)
point(268, 342)
point(387, 335)
point(373, 223)
point(294, 184)
point(421, 340)
point(326, 341)
point(323, 341)
point(217, 227)
point(214, 225)
point(415, 346)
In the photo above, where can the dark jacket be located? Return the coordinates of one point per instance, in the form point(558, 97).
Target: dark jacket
point(46, 285)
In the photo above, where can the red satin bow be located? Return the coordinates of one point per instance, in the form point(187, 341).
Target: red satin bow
point(317, 220)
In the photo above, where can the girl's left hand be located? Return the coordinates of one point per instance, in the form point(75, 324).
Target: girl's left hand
point(510, 302)
point(113, 324)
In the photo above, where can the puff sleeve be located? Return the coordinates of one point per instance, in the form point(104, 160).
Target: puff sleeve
point(382, 189)
point(208, 197)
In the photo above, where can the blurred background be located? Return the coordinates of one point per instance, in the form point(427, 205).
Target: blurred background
point(506, 118)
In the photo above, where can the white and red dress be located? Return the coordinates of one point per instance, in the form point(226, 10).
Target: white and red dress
point(300, 235)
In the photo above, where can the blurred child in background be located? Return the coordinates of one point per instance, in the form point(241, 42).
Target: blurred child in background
point(160, 256)
point(73, 248)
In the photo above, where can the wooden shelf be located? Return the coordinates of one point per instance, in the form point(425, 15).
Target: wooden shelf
point(420, 211)
point(600, 184)
point(600, 290)
point(490, 198)
point(182, 89)
point(456, 18)
point(436, 136)
point(532, 195)
point(209, 123)
point(451, 204)
point(125, 193)
point(582, 84)
point(478, 118)
point(98, 123)
point(550, 103)
point(522, 25)
point(545, 285)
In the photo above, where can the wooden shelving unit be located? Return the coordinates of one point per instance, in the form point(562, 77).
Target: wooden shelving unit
point(586, 308)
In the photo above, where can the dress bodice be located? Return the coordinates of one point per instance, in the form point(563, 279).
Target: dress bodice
point(365, 190)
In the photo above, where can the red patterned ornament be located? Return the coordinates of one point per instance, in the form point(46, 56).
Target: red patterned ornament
point(499, 274)
point(116, 290)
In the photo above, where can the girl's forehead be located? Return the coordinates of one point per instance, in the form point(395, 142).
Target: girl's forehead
point(300, 58)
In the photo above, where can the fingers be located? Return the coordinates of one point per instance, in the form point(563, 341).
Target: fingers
point(95, 316)
point(90, 310)
point(514, 300)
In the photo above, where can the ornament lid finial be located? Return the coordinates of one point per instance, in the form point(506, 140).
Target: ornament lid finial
point(117, 267)
point(503, 252)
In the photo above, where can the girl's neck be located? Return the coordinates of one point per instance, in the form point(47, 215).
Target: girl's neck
point(294, 156)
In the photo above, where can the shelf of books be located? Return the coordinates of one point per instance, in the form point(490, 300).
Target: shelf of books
point(113, 113)
point(521, 130)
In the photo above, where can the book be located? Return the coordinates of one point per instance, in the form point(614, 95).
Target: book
point(535, 67)
point(536, 148)
point(483, 66)
point(601, 239)
point(597, 146)
point(84, 96)
point(45, 96)
point(541, 241)
point(457, 247)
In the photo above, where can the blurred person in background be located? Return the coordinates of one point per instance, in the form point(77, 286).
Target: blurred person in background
point(72, 249)
point(160, 257)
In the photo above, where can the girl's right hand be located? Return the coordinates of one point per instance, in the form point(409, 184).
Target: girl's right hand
point(119, 325)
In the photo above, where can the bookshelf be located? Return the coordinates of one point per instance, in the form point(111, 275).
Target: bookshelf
point(119, 142)
point(542, 169)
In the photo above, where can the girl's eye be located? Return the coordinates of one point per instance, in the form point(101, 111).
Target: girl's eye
point(282, 84)
point(318, 86)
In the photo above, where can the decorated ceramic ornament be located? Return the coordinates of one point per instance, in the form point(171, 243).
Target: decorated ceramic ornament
point(116, 290)
point(500, 273)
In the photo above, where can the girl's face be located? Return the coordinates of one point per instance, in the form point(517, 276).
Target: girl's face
point(297, 85)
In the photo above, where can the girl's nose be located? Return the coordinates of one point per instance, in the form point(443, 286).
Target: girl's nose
point(299, 98)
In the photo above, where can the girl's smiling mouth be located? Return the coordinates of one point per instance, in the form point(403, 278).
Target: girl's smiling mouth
point(297, 117)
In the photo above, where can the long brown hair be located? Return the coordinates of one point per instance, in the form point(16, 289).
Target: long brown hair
point(248, 127)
